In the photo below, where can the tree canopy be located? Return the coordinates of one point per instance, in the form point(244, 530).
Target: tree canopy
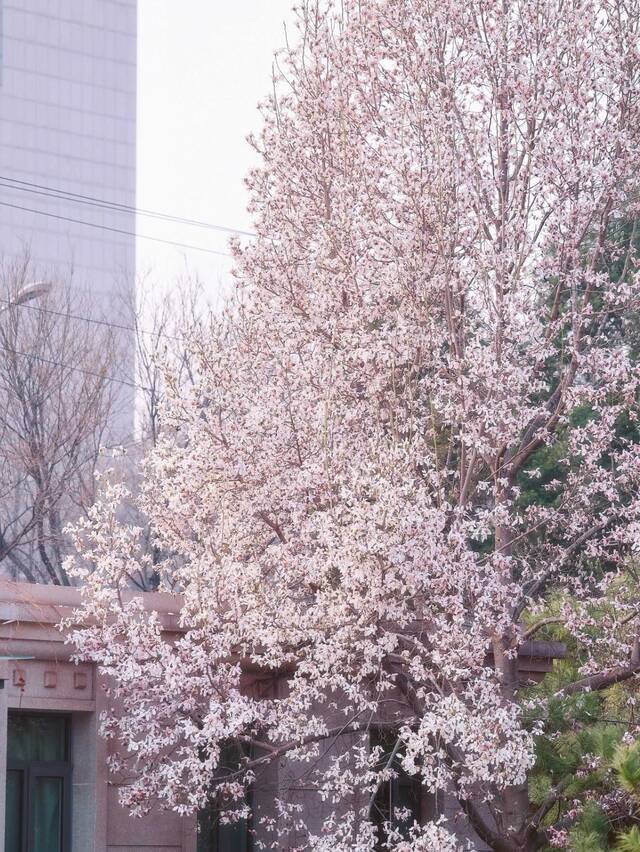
point(423, 321)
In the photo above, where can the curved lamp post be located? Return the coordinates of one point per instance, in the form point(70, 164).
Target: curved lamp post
point(29, 291)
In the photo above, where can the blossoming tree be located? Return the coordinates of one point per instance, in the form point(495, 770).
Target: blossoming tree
point(429, 307)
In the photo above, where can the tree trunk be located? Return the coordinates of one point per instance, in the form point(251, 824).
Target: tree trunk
point(514, 810)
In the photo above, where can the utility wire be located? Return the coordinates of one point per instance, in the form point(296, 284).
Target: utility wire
point(74, 369)
point(119, 326)
point(67, 195)
point(114, 230)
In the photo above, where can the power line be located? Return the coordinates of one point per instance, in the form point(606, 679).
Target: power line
point(67, 195)
point(82, 318)
point(74, 369)
point(114, 230)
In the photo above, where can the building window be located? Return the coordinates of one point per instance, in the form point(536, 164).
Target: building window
point(38, 789)
point(398, 801)
point(217, 836)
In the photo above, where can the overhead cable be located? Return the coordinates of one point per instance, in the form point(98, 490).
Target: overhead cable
point(82, 318)
point(53, 363)
point(114, 230)
point(94, 201)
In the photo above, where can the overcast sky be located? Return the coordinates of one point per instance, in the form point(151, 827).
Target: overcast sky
point(202, 67)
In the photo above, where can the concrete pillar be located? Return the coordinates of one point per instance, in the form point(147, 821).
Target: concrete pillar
point(100, 843)
point(189, 834)
point(84, 741)
point(4, 682)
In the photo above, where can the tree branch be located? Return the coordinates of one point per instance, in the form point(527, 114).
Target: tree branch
point(553, 619)
point(601, 680)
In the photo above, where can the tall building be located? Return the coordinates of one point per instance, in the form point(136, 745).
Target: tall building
point(68, 146)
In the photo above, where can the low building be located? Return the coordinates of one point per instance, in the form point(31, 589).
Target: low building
point(58, 794)
point(54, 761)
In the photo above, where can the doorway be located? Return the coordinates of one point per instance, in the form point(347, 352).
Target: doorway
point(38, 791)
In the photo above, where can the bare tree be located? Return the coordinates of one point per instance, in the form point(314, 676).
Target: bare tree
point(165, 326)
point(58, 397)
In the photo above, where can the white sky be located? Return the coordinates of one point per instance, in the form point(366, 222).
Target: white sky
point(202, 67)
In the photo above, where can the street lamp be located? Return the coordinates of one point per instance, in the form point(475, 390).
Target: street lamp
point(29, 291)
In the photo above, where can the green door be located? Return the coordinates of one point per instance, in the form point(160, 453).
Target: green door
point(38, 790)
point(215, 835)
point(14, 818)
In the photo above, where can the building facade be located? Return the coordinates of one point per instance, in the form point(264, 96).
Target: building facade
point(68, 148)
point(58, 794)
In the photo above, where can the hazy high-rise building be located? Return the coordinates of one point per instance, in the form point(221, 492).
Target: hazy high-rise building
point(68, 143)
